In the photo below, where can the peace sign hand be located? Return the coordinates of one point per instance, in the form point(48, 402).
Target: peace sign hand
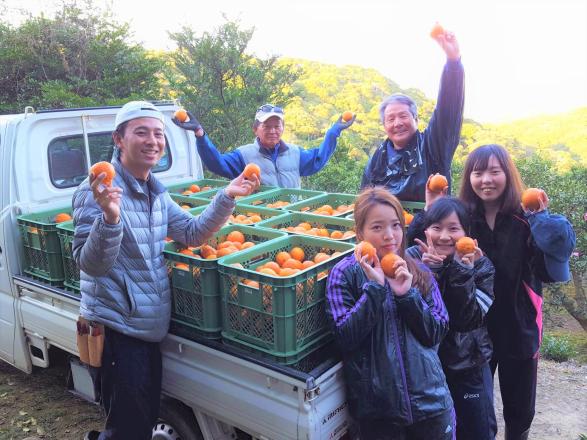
point(430, 257)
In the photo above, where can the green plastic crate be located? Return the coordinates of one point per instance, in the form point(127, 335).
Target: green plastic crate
point(263, 188)
point(214, 184)
point(65, 231)
point(284, 317)
point(42, 249)
point(333, 199)
point(288, 195)
point(195, 286)
point(192, 202)
point(293, 219)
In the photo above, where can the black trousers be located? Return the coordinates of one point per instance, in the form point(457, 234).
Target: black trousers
point(472, 394)
point(440, 427)
point(517, 383)
point(131, 386)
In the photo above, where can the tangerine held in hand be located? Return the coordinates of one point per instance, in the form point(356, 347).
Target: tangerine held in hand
point(388, 264)
point(104, 167)
point(436, 31)
point(465, 245)
point(531, 198)
point(181, 115)
point(437, 183)
point(365, 248)
point(252, 169)
point(347, 116)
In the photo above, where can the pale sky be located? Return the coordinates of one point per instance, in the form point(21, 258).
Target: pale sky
point(522, 57)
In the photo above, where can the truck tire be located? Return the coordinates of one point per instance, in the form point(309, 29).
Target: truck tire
point(176, 422)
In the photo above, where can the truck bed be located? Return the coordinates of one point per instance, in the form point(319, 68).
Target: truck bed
point(240, 388)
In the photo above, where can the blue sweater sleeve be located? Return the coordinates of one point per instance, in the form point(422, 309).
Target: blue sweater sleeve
point(312, 161)
point(444, 128)
point(228, 165)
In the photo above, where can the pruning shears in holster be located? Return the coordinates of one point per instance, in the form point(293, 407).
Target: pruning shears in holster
point(90, 342)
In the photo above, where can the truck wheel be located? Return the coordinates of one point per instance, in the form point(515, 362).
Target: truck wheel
point(176, 422)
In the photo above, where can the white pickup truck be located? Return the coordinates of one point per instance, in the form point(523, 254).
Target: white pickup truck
point(211, 390)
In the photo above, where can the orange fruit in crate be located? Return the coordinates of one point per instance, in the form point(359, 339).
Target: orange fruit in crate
point(251, 283)
point(437, 183)
point(336, 235)
point(307, 263)
point(186, 252)
point(236, 236)
point(224, 244)
point(305, 225)
point(104, 167)
point(465, 245)
point(252, 169)
point(268, 271)
point(323, 232)
point(365, 248)
point(388, 264)
point(226, 251)
point(205, 188)
point(187, 192)
point(62, 217)
point(206, 250)
point(182, 266)
point(211, 257)
point(297, 253)
point(186, 207)
point(247, 244)
point(342, 208)
point(282, 257)
point(194, 188)
point(287, 271)
point(531, 198)
point(292, 263)
point(273, 266)
point(320, 257)
point(348, 234)
point(181, 115)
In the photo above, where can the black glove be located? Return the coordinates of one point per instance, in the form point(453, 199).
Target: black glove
point(341, 125)
point(191, 124)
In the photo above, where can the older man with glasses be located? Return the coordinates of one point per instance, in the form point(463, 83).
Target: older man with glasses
point(404, 162)
point(281, 164)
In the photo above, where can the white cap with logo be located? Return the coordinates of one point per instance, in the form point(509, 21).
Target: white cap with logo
point(137, 109)
point(268, 111)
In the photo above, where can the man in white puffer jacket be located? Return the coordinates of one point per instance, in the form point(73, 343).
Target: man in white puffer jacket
point(119, 238)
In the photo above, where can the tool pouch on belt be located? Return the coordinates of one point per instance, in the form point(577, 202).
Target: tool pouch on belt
point(90, 342)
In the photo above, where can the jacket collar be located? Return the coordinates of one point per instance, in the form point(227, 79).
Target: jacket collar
point(282, 146)
point(131, 182)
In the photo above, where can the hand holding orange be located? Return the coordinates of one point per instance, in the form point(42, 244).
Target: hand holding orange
point(104, 167)
point(181, 115)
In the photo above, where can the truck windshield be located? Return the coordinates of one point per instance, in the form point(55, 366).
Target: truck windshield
point(67, 157)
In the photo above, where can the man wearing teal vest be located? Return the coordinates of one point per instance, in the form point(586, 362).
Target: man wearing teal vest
point(281, 164)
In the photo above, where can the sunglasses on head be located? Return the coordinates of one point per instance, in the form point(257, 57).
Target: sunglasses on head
point(270, 108)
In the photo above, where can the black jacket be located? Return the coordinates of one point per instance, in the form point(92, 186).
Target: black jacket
point(389, 346)
point(405, 172)
point(468, 295)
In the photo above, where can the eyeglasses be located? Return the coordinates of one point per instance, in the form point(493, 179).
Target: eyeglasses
point(270, 108)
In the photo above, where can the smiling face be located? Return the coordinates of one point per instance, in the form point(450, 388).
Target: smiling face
point(383, 229)
point(399, 124)
point(489, 184)
point(141, 146)
point(269, 132)
point(445, 233)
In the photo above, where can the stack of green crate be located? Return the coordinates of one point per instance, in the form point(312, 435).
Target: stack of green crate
point(283, 318)
point(211, 194)
point(41, 246)
point(195, 283)
point(281, 198)
point(290, 222)
point(340, 204)
point(70, 269)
